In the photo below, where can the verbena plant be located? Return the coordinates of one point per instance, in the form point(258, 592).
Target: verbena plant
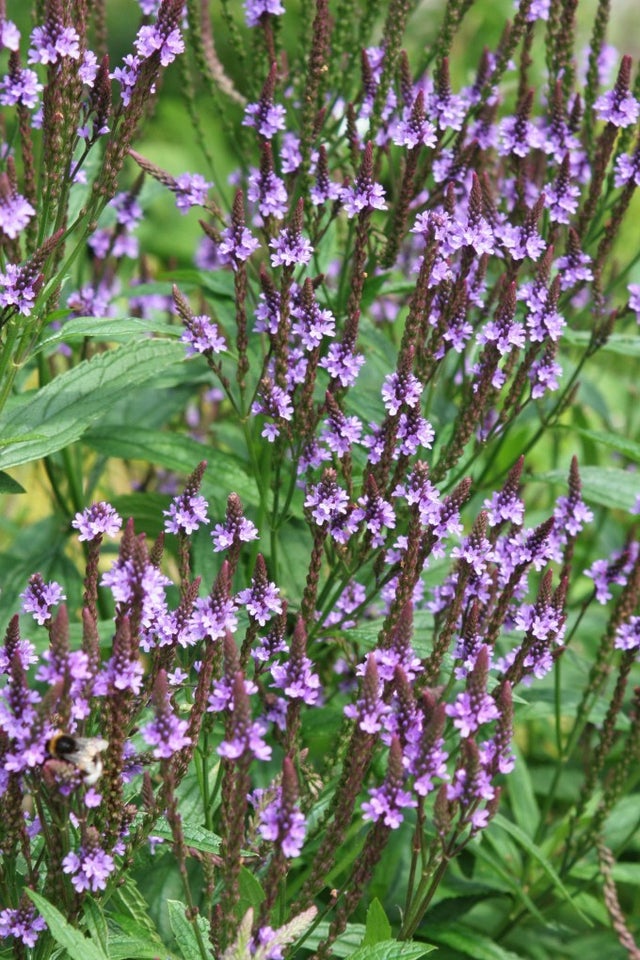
point(340, 696)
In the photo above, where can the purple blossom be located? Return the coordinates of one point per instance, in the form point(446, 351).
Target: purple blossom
point(186, 512)
point(290, 248)
point(618, 107)
point(202, 336)
point(127, 76)
point(341, 432)
point(39, 597)
point(249, 740)
point(614, 570)
point(290, 153)
point(213, 616)
point(9, 36)
point(15, 211)
point(470, 710)
point(255, 9)
point(274, 402)
point(237, 245)
point(191, 191)
point(327, 500)
point(261, 599)
point(377, 514)
point(269, 192)
point(399, 389)
point(19, 288)
point(370, 709)
point(20, 86)
point(235, 530)
point(96, 521)
point(22, 923)
point(627, 169)
point(152, 38)
point(285, 827)
point(342, 363)
point(363, 195)
point(52, 42)
point(297, 680)
point(634, 299)
point(387, 802)
point(628, 635)
point(89, 869)
point(266, 116)
point(165, 733)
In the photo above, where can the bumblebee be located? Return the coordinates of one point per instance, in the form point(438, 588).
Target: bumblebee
point(82, 752)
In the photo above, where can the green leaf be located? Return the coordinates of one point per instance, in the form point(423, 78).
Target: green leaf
point(124, 329)
point(225, 474)
point(627, 345)
point(132, 948)
point(184, 932)
point(195, 836)
point(378, 926)
point(604, 485)
point(393, 950)
point(74, 942)
point(525, 841)
point(521, 794)
point(251, 892)
point(62, 411)
point(96, 923)
point(470, 942)
point(9, 485)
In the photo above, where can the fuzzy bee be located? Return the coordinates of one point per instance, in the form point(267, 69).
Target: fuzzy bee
point(82, 752)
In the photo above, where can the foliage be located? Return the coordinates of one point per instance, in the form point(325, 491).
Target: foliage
point(359, 685)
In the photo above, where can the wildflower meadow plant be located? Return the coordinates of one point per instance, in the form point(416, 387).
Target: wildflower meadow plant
point(324, 640)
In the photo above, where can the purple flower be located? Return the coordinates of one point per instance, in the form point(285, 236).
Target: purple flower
point(628, 635)
point(9, 35)
point(154, 38)
point(284, 825)
point(202, 336)
point(186, 512)
point(363, 195)
point(166, 733)
point(22, 923)
point(274, 402)
point(619, 107)
point(52, 42)
point(19, 288)
point(96, 521)
point(470, 712)
point(255, 9)
point(237, 244)
point(20, 86)
point(627, 169)
point(269, 192)
point(290, 248)
point(342, 363)
point(15, 210)
point(377, 514)
point(39, 597)
point(634, 299)
point(370, 709)
point(296, 677)
point(212, 617)
point(399, 389)
point(233, 531)
point(387, 802)
point(614, 570)
point(89, 869)
point(266, 116)
point(262, 600)
point(191, 191)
